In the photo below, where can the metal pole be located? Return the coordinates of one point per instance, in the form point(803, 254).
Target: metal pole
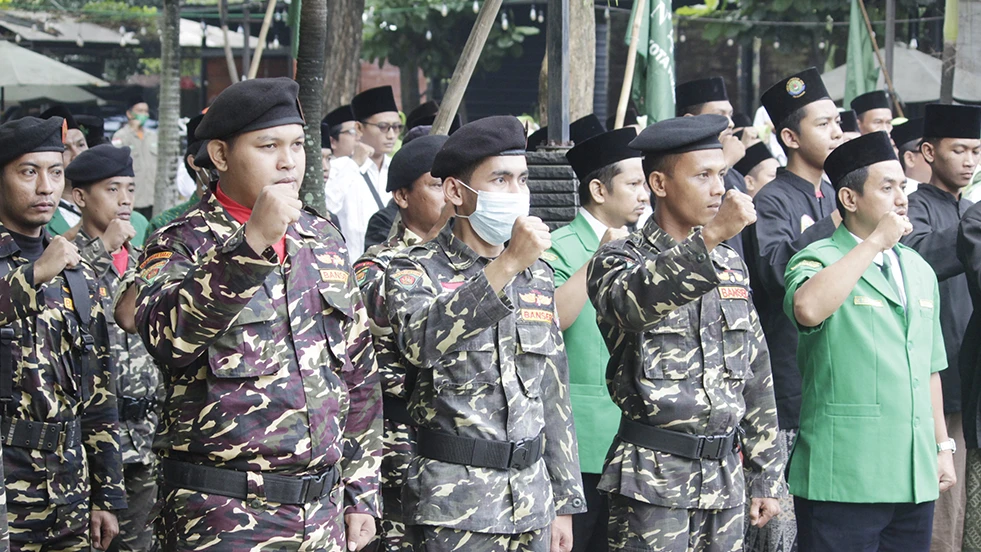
point(204, 65)
point(246, 41)
point(890, 34)
point(557, 39)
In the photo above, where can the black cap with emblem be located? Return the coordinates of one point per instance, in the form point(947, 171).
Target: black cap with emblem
point(251, 105)
point(876, 99)
point(602, 150)
point(483, 138)
point(681, 135)
point(30, 135)
point(372, 101)
point(413, 160)
point(952, 121)
point(697, 92)
point(99, 163)
point(868, 149)
point(793, 93)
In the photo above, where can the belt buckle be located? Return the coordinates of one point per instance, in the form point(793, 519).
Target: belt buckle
point(314, 486)
point(711, 447)
point(88, 343)
point(7, 334)
point(521, 455)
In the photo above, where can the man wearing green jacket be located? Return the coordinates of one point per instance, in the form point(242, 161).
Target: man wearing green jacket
point(873, 442)
point(613, 194)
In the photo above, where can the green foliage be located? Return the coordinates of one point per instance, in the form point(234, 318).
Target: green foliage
point(431, 34)
point(113, 13)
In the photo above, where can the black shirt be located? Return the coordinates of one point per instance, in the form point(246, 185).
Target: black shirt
point(30, 248)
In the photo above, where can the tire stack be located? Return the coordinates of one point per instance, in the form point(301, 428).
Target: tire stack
point(554, 188)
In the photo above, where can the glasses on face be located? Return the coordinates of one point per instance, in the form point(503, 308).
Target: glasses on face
point(351, 131)
point(385, 128)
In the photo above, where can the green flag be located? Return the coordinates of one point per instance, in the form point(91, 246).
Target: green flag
point(653, 85)
point(861, 73)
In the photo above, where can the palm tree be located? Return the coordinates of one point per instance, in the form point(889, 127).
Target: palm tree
point(165, 192)
point(310, 76)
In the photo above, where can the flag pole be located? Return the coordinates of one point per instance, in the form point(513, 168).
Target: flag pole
point(878, 55)
point(628, 76)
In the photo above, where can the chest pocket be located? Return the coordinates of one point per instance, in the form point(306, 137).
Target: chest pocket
point(469, 370)
point(247, 348)
point(535, 343)
point(338, 315)
point(736, 337)
point(666, 353)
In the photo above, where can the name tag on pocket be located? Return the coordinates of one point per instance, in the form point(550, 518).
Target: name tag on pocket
point(926, 303)
point(863, 301)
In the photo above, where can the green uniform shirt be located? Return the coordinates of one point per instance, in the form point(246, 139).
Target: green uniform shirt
point(596, 416)
point(58, 226)
point(866, 423)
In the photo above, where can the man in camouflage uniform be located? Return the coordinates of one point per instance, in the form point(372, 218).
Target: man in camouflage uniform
point(102, 181)
point(270, 434)
point(496, 466)
point(689, 366)
point(60, 426)
point(420, 199)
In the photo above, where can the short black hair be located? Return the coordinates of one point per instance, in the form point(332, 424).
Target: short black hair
point(911, 146)
point(335, 131)
point(693, 109)
point(854, 180)
point(791, 122)
point(466, 173)
point(658, 162)
point(605, 175)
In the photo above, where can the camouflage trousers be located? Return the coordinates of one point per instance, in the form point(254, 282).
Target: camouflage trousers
point(49, 528)
point(972, 514)
point(428, 538)
point(640, 527)
point(191, 520)
point(390, 531)
point(135, 531)
point(780, 533)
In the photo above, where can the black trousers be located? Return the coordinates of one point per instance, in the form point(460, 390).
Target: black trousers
point(847, 527)
point(589, 528)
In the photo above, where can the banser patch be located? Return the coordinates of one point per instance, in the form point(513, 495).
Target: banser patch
point(333, 275)
point(408, 278)
point(733, 292)
point(536, 315)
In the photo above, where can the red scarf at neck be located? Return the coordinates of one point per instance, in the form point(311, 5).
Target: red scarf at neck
point(242, 213)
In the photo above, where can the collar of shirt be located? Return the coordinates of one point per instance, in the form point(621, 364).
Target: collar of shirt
point(826, 190)
point(894, 267)
point(370, 167)
point(69, 206)
point(598, 227)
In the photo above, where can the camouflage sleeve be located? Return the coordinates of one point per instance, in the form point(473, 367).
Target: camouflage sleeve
point(429, 324)
point(634, 292)
point(100, 422)
point(561, 449)
point(94, 252)
point(759, 424)
point(370, 276)
point(361, 463)
point(19, 298)
point(187, 300)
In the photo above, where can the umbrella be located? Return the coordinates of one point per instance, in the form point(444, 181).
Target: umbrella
point(21, 67)
point(55, 94)
point(917, 78)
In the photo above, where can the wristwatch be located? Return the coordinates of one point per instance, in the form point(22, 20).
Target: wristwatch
point(949, 444)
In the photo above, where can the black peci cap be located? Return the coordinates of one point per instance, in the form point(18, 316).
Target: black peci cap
point(952, 121)
point(793, 93)
point(602, 150)
point(863, 151)
point(849, 121)
point(372, 101)
point(907, 132)
point(755, 154)
point(711, 89)
point(876, 99)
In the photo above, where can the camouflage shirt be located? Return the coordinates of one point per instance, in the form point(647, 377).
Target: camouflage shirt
point(370, 272)
point(47, 350)
point(687, 354)
point(267, 366)
point(137, 376)
point(490, 366)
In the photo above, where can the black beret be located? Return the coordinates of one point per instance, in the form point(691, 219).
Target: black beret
point(580, 130)
point(601, 150)
point(952, 121)
point(202, 158)
point(423, 114)
point(793, 93)
point(849, 120)
point(416, 132)
point(755, 154)
point(875, 99)
point(99, 163)
point(193, 144)
point(478, 140)
point(94, 129)
point(863, 151)
point(413, 160)
point(373, 100)
point(339, 116)
point(29, 135)
point(60, 111)
point(251, 105)
point(907, 132)
point(711, 89)
point(681, 135)
point(629, 118)
point(741, 120)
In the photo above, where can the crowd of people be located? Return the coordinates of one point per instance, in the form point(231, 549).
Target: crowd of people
point(750, 337)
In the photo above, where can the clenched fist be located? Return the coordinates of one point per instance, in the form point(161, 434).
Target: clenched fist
point(277, 207)
point(614, 234)
point(735, 213)
point(118, 233)
point(891, 228)
point(59, 255)
point(529, 239)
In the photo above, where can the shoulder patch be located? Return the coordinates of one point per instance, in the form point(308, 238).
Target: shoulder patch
point(407, 278)
point(361, 272)
point(807, 264)
point(733, 292)
point(550, 257)
point(148, 273)
point(162, 256)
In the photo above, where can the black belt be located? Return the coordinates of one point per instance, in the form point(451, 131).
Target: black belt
point(41, 435)
point(132, 410)
point(712, 447)
point(397, 410)
point(480, 453)
point(284, 489)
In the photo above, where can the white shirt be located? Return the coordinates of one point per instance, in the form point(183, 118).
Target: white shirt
point(894, 268)
point(911, 186)
point(347, 196)
point(598, 227)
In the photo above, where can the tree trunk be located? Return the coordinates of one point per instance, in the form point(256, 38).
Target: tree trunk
point(409, 81)
point(229, 58)
point(582, 63)
point(168, 135)
point(343, 52)
point(310, 75)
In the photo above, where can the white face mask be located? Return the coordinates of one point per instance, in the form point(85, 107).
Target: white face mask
point(495, 214)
